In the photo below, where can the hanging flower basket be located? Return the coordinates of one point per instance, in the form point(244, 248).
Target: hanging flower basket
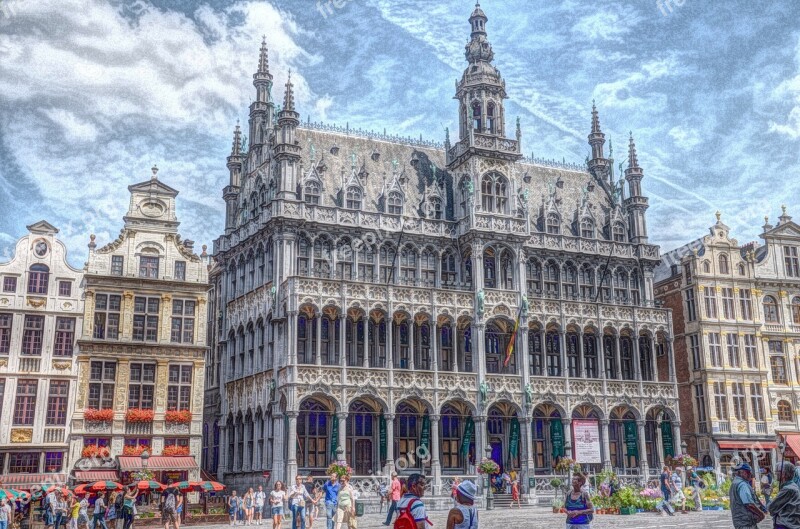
point(488, 466)
point(178, 416)
point(135, 415)
point(680, 460)
point(340, 469)
point(135, 450)
point(175, 450)
point(565, 464)
point(101, 415)
point(93, 450)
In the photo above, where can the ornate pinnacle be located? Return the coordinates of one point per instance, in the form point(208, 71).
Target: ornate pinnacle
point(718, 214)
point(263, 57)
point(595, 119)
point(155, 172)
point(288, 98)
point(236, 149)
point(633, 161)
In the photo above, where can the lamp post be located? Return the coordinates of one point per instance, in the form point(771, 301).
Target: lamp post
point(489, 493)
point(145, 457)
point(568, 452)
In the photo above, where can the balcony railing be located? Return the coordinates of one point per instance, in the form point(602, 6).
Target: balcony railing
point(724, 426)
point(29, 365)
point(761, 427)
point(54, 435)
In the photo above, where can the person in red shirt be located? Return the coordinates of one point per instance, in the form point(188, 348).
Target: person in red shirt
point(395, 492)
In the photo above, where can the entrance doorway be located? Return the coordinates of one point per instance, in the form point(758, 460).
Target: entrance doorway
point(363, 457)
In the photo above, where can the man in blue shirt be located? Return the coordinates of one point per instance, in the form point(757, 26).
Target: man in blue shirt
point(331, 489)
point(745, 508)
point(411, 500)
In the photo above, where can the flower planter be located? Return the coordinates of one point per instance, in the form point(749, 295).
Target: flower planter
point(178, 417)
point(627, 510)
point(135, 415)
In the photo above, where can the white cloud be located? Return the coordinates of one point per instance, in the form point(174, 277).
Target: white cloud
point(685, 138)
point(606, 25)
point(75, 129)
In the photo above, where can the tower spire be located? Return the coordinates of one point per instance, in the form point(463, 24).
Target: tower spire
point(633, 160)
point(636, 203)
point(288, 97)
point(236, 149)
point(595, 120)
point(263, 57)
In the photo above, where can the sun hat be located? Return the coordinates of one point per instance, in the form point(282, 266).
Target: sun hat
point(468, 489)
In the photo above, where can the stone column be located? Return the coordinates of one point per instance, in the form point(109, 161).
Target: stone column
point(342, 322)
point(527, 439)
point(524, 362)
point(366, 341)
point(434, 327)
point(562, 346)
point(605, 444)
point(279, 438)
point(222, 463)
point(637, 358)
point(480, 438)
point(653, 358)
point(412, 335)
point(389, 418)
point(617, 357)
point(436, 468)
point(671, 360)
point(389, 342)
point(582, 373)
point(567, 422)
point(291, 338)
point(342, 416)
point(642, 448)
point(676, 436)
point(291, 463)
point(478, 346)
point(318, 344)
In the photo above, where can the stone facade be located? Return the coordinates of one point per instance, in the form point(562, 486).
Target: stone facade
point(737, 329)
point(367, 287)
point(144, 344)
point(41, 314)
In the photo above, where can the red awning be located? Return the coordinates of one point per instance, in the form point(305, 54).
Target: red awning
point(133, 463)
point(87, 476)
point(746, 445)
point(26, 481)
point(793, 440)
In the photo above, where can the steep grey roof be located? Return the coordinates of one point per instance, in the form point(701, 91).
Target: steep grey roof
point(664, 270)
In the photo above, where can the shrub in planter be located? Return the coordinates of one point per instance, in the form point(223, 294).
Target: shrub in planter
point(178, 416)
point(137, 415)
point(101, 415)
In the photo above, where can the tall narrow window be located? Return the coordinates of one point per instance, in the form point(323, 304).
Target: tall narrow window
point(38, 278)
point(303, 257)
point(618, 232)
point(728, 310)
point(700, 405)
point(366, 263)
point(408, 266)
point(587, 283)
point(25, 404)
point(533, 277)
point(107, 308)
point(721, 400)
point(145, 319)
point(323, 250)
point(757, 402)
point(750, 351)
point(179, 388)
point(494, 191)
point(476, 117)
point(551, 279)
point(570, 282)
point(142, 386)
point(102, 377)
point(715, 349)
point(490, 118)
point(387, 256)
point(796, 310)
point(353, 198)
point(535, 352)
point(435, 209)
point(553, 347)
point(723, 264)
point(771, 310)
point(32, 335)
point(448, 265)
point(182, 330)
point(791, 261)
point(739, 402)
point(116, 265)
point(344, 259)
point(733, 349)
point(428, 267)
point(553, 224)
point(587, 229)
point(777, 361)
point(710, 297)
point(394, 203)
point(65, 337)
point(691, 308)
point(694, 347)
point(148, 267)
point(180, 270)
point(311, 193)
point(746, 304)
point(57, 403)
point(5, 333)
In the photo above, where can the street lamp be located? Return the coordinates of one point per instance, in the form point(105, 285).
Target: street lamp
point(489, 493)
point(684, 447)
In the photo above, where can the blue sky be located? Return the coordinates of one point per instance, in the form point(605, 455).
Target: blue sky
point(94, 93)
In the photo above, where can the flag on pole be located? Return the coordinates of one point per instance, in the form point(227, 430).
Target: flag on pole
point(513, 339)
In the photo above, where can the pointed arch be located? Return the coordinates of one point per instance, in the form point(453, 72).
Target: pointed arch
point(494, 193)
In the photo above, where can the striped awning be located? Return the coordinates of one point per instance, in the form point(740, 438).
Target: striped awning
point(26, 481)
point(86, 476)
point(134, 463)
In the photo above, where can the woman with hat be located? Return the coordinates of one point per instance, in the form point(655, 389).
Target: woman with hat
point(464, 515)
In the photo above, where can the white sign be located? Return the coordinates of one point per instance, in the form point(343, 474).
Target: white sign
point(586, 439)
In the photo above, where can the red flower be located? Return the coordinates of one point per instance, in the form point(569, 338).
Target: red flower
point(135, 415)
point(102, 415)
point(94, 450)
point(178, 416)
point(134, 450)
point(175, 450)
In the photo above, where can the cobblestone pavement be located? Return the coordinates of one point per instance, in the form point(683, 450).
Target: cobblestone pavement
point(536, 517)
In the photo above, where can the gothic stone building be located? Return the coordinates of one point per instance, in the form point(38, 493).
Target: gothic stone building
point(41, 311)
point(367, 288)
point(143, 347)
point(737, 335)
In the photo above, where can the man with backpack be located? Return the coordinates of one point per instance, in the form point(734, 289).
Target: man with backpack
point(170, 508)
point(745, 508)
point(412, 509)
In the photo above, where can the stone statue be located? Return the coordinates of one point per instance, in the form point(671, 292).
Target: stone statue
point(528, 393)
point(481, 297)
point(525, 305)
point(470, 187)
point(484, 389)
point(313, 152)
point(394, 165)
point(243, 146)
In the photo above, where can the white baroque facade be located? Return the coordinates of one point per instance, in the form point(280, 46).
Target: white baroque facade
point(366, 289)
point(41, 314)
point(143, 347)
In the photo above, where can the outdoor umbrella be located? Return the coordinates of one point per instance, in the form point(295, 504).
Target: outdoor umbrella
point(209, 486)
point(183, 486)
point(81, 489)
point(149, 485)
point(13, 494)
point(105, 485)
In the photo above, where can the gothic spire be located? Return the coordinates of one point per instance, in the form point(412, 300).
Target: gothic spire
point(288, 97)
point(595, 120)
point(237, 141)
point(263, 58)
point(633, 161)
point(596, 137)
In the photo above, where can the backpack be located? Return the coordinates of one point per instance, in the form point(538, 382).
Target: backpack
point(405, 519)
point(169, 505)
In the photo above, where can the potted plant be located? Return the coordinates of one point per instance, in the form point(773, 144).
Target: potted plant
point(557, 504)
point(99, 415)
point(340, 468)
point(134, 450)
point(488, 466)
point(627, 499)
point(680, 460)
point(178, 416)
point(139, 415)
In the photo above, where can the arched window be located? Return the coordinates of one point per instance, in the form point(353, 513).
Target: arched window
point(428, 267)
point(771, 310)
point(533, 277)
point(353, 198)
point(490, 118)
point(570, 282)
point(344, 259)
point(312, 435)
point(621, 286)
point(618, 232)
point(551, 279)
point(494, 191)
point(435, 210)
point(466, 195)
point(322, 257)
point(466, 268)
point(587, 282)
point(587, 228)
point(259, 266)
point(251, 272)
point(723, 264)
point(253, 205)
point(489, 268)
point(706, 267)
point(448, 269)
point(394, 203)
point(366, 263)
point(635, 297)
point(796, 310)
point(451, 438)
point(626, 357)
point(785, 411)
point(387, 255)
point(38, 279)
point(408, 265)
point(553, 350)
point(476, 116)
point(506, 270)
point(553, 224)
point(742, 270)
point(303, 256)
point(312, 193)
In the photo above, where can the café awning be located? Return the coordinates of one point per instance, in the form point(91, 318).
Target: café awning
point(134, 463)
point(26, 481)
point(746, 445)
point(87, 476)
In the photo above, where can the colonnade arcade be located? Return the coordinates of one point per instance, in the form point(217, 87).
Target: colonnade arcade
point(332, 337)
point(448, 441)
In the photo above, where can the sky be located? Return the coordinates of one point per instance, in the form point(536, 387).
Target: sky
point(93, 93)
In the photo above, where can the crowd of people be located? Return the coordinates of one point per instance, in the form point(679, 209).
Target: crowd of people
point(63, 510)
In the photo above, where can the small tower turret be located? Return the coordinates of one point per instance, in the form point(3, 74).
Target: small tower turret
point(287, 150)
point(636, 204)
point(231, 192)
point(262, 109)
point(598, 164)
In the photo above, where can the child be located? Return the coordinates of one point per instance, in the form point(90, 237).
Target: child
point(464, 515)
